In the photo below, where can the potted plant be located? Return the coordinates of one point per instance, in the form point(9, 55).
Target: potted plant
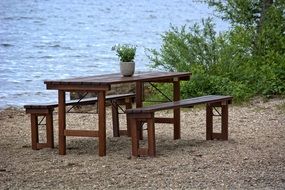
point(126, 54)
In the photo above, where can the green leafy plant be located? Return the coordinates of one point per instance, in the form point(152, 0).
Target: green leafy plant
point(125, 52)
point(247, 60)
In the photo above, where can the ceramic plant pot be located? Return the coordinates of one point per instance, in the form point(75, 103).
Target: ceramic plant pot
point(127, 68)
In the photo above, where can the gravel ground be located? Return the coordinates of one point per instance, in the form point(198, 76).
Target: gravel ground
point(252, 158)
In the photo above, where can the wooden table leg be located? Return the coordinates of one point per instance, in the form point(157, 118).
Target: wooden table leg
point(209, 122)
point(102, 123)
point(135, 136)
point(225, 116)
point(176, 111)
point(35, 131)
point(61, 122)
point(49, 129)
point(139, 103)
point(115, 119)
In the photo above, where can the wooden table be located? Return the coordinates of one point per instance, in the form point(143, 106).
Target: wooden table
point(102, 83)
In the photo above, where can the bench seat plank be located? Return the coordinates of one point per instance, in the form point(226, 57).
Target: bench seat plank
point(181, 103)
point(84, 101)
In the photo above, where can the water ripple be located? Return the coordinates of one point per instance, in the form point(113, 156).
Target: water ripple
point(6, 45)
point(46, 40)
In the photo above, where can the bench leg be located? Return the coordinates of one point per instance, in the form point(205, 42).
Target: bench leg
point(150, 150)
point(151, 137)
point(49, 130)
point(36, 145)
point(115, 119)
point(225, 116)
point(210, 135)
point(34, 131)
point(135, 136)
point(129, 106)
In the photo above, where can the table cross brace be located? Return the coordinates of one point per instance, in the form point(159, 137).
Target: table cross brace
point(160, 91)
point(217, 112)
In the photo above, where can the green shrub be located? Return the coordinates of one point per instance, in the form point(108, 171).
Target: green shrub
point(220, 64)
point(246, 61)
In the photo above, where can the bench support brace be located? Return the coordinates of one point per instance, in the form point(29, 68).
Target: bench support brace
point(136, 130)
point(210, 135)
point(148, 117)
point(49, 130)
point(115, 114)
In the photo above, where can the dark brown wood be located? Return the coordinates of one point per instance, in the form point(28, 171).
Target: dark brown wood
point(100, 81)
point(120, 99)
point(136, 149)
point(102, 123)
point(225, 113)
point(46, 110)
point(128, 106)
point(34, 131)
point(147, 113)
point(163, 120)
point(78, 87)
point(176, 111)
point(47, 113)
point(141, 116)
point(135, 136)
point(209, 122)
point(182, 103)
point(101, 84)
point(81, 133)
point(49, 130)
point(210, 135)
point(151, 137)
point(115, 120)
point(139, 102)
point(44, 107)
point(38, 110)
point(127, 101)
point(61, 123)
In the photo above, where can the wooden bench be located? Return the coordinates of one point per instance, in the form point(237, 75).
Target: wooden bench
point(46, 110)
point(146, 114)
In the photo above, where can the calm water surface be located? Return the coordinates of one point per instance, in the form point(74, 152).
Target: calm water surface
point(53, 39)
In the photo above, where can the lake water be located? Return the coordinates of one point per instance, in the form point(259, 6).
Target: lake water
point(53, 39)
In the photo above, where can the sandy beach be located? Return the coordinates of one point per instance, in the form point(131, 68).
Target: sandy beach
point(252, 158)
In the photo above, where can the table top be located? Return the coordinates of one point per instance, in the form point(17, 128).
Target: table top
point(117, 78)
